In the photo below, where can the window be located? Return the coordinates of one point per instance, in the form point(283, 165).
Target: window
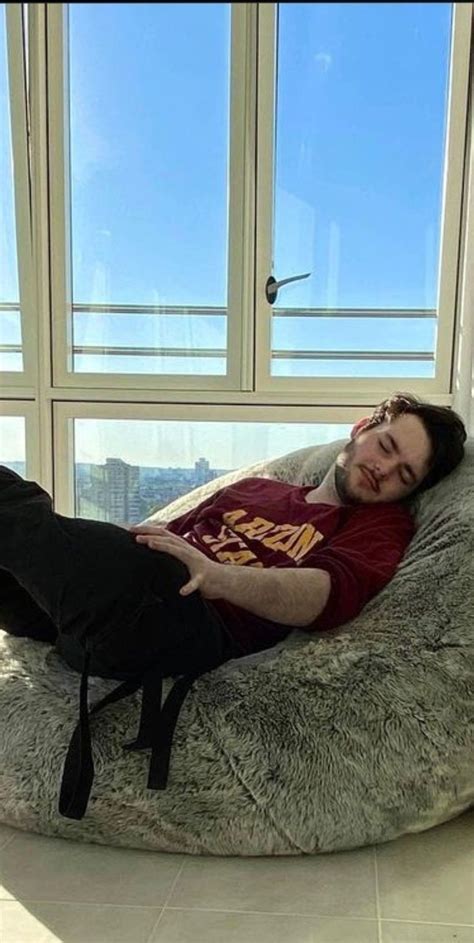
point(178, 158)
point(13, 443)
point(10, 323)
point(149, 181)
point(19, 438)
point(353, 182)
point(150, 272)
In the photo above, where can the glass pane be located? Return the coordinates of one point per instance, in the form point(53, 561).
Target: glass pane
point(156, 364)
point(186, 341)
point(13, 443)
point(11, 361)
point(357, 334)
point(10, 328)
point(312, 367)
point(126, 470)
point(361, 122)
point(149, 185)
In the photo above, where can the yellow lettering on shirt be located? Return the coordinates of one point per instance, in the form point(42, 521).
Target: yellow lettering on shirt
point(237, 558)
point(306, 540)
point(230, 517)
point(255, 528)
point(294, 540)
point(283, 537)
point(224, 537)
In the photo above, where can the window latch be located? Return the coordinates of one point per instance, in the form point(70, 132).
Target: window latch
point(272, 286)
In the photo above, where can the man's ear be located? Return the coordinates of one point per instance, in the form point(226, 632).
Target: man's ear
point(359, 426)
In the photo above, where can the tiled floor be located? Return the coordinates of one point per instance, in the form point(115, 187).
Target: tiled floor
point(418, 889)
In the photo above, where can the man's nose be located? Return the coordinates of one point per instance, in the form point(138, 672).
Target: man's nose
point(386, 467)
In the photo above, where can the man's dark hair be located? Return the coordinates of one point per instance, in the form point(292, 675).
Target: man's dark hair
point(445, 429)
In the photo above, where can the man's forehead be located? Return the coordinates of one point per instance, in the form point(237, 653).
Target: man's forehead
point(407, 423)
point(409, 433)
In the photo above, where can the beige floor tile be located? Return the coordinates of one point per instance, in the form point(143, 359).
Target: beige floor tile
point(429, 876)
point(186, 926)
point(425, 933)
point(28, 922)
point(326, 885)
point(52, 889)
point(33, 867)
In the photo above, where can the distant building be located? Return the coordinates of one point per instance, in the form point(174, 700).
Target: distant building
point(112, 494)
point(126, 494)
point(203, 472)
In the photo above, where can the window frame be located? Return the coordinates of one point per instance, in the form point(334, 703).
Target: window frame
point(17, 84)
point(453, 185)
point(240, 210)
point(41, 394)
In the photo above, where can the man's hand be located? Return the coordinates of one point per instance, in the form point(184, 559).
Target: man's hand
point(288, 596)
point(201, 569)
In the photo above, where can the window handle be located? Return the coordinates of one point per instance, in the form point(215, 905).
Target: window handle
point(272, 286)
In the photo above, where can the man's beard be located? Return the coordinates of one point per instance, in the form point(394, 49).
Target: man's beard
point(341, 474)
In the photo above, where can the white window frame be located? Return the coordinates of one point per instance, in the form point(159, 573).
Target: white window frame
point(241, 229)
point(65, 412)
point(340, 388)
point(22, 197)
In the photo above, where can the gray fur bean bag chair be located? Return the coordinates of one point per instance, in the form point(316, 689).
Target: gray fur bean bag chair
point(327, 742)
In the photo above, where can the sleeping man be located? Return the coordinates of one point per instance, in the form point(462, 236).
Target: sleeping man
point(237, 573)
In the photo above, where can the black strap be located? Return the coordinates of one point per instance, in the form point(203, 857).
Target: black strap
point(150, 711)
point(155, 731)
point(78, 772)
point(157, 726)
point(164, 730)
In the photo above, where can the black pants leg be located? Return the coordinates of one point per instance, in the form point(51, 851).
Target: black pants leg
point(76, 576)
point(20, 615)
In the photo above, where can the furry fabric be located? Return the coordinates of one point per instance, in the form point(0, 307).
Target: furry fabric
point(326, 742)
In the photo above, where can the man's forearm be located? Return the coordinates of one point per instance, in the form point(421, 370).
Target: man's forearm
point(289, 596)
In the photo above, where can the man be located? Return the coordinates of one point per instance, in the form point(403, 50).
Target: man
point(312, 557)
point(233, 576)
point(259, 557)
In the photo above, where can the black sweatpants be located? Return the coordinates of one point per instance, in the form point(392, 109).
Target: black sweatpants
point(76, 576)
point(62, 579)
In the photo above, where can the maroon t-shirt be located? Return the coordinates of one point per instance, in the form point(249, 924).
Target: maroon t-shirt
point(265, 523)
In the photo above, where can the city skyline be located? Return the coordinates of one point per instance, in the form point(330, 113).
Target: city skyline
point(118, 492)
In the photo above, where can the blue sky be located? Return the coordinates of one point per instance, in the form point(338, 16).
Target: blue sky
point(8, 267)
point(360, 139)
point(176, 444)
point(361, 114)
point(360, 143)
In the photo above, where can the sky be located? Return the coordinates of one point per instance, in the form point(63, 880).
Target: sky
point(8, 266)
point(168, 443)
point(360, 125)
point(360, 134)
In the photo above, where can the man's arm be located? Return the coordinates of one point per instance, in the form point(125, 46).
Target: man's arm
point(289, 596)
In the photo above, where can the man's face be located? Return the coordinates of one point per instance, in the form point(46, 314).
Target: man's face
point(385, 463)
